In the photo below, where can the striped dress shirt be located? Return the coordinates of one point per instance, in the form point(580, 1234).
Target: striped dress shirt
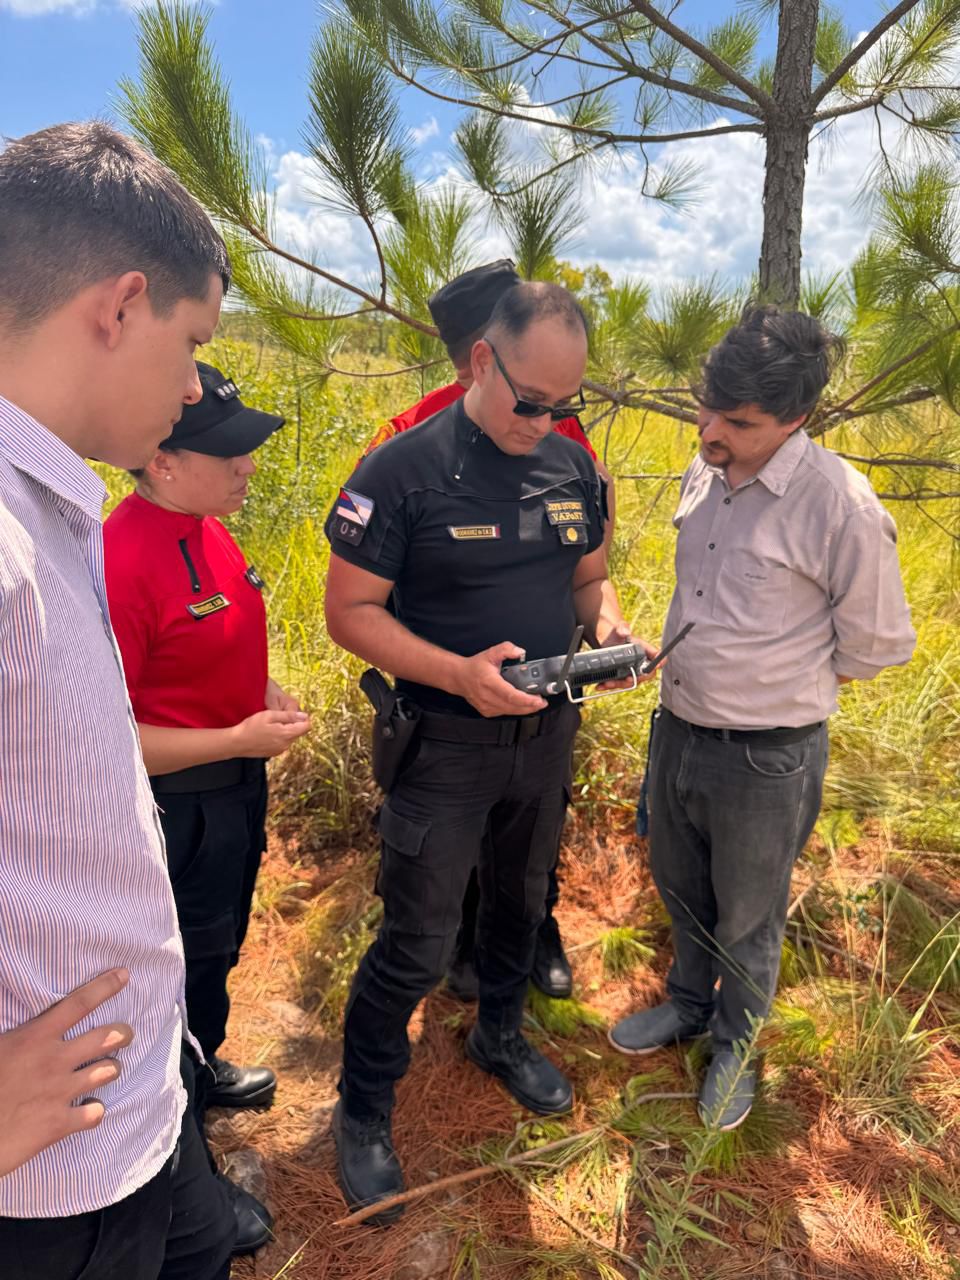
point(83, 878)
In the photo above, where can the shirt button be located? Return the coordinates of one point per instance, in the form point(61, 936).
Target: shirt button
point(699, 593)
point(676, 682)
point(726, 502)
point(711, 546)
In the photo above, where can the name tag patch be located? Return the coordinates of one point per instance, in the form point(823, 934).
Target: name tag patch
point(573, 535)
point(352, 515)
point(565, 513)
point(212, 604)
point(473, 532)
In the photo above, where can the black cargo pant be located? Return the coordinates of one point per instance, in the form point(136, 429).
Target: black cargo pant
point(215, 840)
point(728, 819)
point(497, 805)
point(179, 1226)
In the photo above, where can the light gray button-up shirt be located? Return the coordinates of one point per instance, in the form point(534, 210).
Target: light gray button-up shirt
point(792, 580)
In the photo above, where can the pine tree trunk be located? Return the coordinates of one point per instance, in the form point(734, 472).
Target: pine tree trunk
point(787, 137)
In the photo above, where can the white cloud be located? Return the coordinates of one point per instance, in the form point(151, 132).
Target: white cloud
point(422, 132)
point(337, 242)
point(38, 8)
point(627, 234)
point(79, 8)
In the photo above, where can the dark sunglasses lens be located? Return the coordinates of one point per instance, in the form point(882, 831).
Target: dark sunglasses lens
point(524, 409)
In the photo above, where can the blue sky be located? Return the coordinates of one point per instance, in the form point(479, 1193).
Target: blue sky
point(61, 59)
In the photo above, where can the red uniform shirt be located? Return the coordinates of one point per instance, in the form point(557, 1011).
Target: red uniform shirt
point(434, 401)
point(188, 616)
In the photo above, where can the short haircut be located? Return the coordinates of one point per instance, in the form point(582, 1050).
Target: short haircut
point(459, 351)
point(80, 203)
point(526, 303)
point(778, 360)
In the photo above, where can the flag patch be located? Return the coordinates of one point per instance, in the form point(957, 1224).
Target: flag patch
point(352, 515)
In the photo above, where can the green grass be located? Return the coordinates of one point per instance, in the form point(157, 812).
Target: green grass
point(866, 1040)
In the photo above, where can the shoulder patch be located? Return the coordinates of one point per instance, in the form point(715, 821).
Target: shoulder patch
point(352, 515)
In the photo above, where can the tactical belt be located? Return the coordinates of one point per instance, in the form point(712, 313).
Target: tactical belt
point(771, 737)
point(208, 777)
point(498, 733)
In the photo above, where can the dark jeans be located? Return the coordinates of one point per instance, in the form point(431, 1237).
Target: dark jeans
point(727, 822)
point(215, 840)
point(179, 1226)
point(457, 806)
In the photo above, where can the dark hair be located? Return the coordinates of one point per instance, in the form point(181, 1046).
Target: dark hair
point(459, 350)
point(81, 202)
point(779, 360)
point(533, 300)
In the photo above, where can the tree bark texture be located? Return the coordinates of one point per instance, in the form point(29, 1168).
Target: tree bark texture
point(787, 138)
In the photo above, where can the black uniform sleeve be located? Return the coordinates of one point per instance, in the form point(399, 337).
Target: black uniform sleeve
point(367, 525)
point(597, 511)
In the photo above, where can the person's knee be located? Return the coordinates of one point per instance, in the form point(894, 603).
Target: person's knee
point(410, 965)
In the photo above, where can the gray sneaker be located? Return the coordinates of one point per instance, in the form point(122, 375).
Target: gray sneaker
point(727, 1092)
point(651, 1029)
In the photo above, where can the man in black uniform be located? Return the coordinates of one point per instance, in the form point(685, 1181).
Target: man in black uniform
point(486, 528)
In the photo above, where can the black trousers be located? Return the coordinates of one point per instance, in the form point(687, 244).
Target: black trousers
point(470, 911)
point(459, 805)
point(179, 1226)
point(215, 841)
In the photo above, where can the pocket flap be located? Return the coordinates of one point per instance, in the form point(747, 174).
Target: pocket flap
point(218, 937)
point(402, 834)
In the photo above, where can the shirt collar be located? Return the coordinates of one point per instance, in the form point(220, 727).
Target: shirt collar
point(33, 449)
point(778, 472)
point(181, 522)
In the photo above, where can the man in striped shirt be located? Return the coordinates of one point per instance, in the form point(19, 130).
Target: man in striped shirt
point(110, 277)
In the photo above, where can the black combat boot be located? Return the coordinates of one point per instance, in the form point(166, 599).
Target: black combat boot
point(530, 1077)
point(240, 1086)
point(367, 1164)
point(551, 969)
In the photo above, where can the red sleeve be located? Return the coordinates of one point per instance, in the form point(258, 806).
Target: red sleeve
point(133, 620)
point(572, 429)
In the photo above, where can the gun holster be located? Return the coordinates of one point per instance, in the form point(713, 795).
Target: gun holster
point(396, 729)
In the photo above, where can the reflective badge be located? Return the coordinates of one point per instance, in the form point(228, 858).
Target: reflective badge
point(565, 512)
point(470, 532)
point(212, 604)
point(352, 515)
point(572, 534)
point(254, 578)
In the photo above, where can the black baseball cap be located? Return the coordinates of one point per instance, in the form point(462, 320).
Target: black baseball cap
point(220, 424)
point(464, 305)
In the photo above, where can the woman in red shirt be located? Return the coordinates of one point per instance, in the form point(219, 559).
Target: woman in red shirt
point(190, 622)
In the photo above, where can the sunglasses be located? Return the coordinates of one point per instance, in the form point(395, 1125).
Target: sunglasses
point(527, 408)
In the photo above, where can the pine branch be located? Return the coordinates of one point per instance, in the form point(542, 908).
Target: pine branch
point(849, 108)
point(604, 135)
point(385, 373)
point(654, 77)
point(856, 53)
point(900, 460)
point(915, 354)
point(376, 304)
point(694, 46)
point(920, 495)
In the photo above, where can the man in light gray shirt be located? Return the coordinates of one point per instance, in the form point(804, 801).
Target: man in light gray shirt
point(787, 564)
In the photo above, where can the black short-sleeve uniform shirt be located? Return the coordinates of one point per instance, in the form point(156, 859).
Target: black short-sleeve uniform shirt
point(482, 546)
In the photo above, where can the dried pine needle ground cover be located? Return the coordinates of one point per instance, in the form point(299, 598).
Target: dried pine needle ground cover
point(847, 1168)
